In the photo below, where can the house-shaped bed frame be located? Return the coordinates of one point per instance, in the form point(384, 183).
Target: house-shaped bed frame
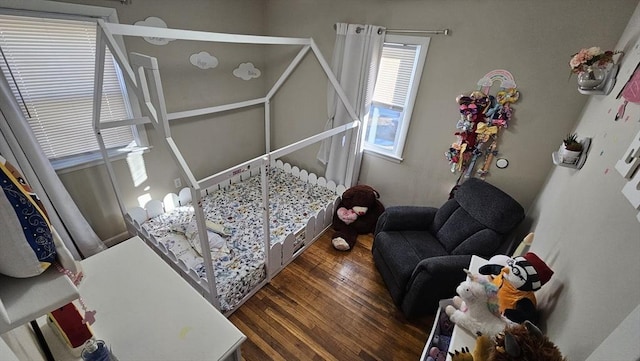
point(139, 70)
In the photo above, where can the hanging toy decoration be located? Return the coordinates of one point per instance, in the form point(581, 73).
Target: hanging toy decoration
point(630, 92)
point(481, 118)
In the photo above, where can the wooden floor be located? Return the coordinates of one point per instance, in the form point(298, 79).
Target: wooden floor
point(328, 305)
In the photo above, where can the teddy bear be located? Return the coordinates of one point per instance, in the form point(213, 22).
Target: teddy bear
point(357, 213)
point(517, 279)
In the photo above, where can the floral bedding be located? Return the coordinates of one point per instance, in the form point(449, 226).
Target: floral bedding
point(239, 266)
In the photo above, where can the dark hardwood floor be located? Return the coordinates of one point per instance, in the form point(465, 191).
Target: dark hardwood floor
point(328, 305)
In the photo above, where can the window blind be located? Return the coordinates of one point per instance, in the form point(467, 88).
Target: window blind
point(50, 65)
point(394, 77)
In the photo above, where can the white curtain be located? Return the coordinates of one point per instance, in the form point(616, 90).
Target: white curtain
point(355, 62)
point(19, 146)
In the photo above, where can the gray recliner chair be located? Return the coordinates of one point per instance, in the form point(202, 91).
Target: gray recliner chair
point(421, 251)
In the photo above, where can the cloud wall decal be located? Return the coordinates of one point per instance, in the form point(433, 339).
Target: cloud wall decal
point(204, 60)
point(155, 22)
point(247, 71)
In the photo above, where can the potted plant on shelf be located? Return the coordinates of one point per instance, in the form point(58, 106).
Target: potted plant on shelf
point(571, 149)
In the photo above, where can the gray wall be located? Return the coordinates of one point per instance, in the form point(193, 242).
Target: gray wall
point(204, 142)
point(533, 40)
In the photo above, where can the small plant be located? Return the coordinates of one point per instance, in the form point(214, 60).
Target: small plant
point(571, 142)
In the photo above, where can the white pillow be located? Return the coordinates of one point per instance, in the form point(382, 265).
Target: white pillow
point(216, 242)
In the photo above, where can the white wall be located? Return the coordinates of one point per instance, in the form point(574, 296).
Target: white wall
point(588, 231)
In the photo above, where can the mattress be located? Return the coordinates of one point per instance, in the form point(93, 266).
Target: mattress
point(239, 266)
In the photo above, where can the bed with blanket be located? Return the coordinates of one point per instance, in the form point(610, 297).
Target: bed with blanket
point(229, 233)
point(300, 209)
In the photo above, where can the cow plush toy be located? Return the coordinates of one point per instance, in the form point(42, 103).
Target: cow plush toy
point(356, 214)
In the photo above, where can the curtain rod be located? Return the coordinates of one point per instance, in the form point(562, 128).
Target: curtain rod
point(406, 31)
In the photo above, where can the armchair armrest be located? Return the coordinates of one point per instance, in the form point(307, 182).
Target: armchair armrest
point(444, 264)
point(433, 279)
point(406, 218)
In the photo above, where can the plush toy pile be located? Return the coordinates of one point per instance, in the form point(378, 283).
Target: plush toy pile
point(517, 279)
point(441, 339)
point(499, 305)
point(357, 213)
point(518, 342)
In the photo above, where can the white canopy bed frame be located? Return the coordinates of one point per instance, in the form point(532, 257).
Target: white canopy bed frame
point(139, 70)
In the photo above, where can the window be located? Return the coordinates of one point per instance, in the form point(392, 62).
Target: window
point(394, 94)
point(49, 64)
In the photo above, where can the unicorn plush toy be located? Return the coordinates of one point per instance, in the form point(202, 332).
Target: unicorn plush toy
point(476, 307)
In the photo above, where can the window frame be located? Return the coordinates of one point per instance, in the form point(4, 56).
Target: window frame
point(422, 42)
point(83, 12)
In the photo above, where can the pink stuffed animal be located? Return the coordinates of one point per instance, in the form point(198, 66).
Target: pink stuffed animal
point(348, 216)
point(436, 354)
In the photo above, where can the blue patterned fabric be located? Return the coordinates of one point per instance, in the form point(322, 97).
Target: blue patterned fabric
point(27, 246)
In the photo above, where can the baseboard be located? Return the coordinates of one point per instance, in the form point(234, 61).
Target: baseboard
point(110, 242)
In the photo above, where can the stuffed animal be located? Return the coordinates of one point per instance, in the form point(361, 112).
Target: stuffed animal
point(516, 282)
point(518, 342)
point(436, 354)
point(445, 327)
point(357, 213)
point(476, 307)
point(30, 244)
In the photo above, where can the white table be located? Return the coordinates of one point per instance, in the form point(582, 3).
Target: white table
point(146, 311)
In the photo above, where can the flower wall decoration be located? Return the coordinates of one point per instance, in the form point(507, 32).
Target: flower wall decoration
point(593, 56)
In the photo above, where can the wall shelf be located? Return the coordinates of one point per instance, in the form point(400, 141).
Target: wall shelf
point(586, 144)
point(25, 299)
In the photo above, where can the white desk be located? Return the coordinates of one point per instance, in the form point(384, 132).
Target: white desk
point(146, 311)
